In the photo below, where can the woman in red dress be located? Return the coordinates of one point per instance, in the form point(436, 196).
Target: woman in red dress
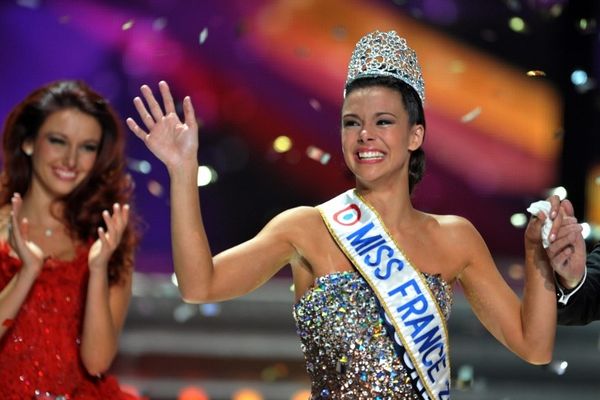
point(66, 246)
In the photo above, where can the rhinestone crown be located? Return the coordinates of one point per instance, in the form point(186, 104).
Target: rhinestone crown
point(386, 53)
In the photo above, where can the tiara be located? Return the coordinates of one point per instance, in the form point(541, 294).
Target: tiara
point(386, 54)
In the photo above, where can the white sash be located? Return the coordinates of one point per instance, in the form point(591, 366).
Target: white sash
point(409, 305)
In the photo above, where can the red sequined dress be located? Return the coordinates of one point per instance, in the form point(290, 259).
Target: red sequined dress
point(39, 353)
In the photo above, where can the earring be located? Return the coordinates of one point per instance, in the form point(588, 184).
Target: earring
point(28, 150)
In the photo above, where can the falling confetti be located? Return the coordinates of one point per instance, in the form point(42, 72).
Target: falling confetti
point(318, 155)
point(29, 3)
point(159, 24)
point(315, 104)
point(203, 36)
point(127, 25)
point(535, 72)
point(155, 188)
point(471, 115)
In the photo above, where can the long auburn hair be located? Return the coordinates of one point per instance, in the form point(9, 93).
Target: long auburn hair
point(107, 182)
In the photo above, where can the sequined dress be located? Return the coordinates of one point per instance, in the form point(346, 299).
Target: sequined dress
point(39, 353)
point(347, 350)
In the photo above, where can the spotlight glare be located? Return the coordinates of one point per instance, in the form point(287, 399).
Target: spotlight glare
point(517, 24)
point(560, 191)
point(282, 144)
point(518, 220)
point(587, 230)
point(579, 77)
point(206, 175)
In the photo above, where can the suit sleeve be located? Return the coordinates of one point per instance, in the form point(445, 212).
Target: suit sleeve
point(584, 306)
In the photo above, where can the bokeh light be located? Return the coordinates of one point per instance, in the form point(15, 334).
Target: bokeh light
point(247, 394)
point(192, 393)
point(282, 144)
point(206, 175)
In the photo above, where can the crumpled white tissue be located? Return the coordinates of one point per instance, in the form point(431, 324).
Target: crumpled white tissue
point(545, 207)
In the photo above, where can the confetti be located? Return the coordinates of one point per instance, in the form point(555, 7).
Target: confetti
point(315, 104)
point(536, 72)
point(318, 155)
point(203, 35)
point(29, 3)
point(586, 26)
point(155, 188)
point(159, 24)
point(127, 25)
point(471, 115)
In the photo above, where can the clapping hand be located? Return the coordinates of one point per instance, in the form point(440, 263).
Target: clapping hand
point(108, 240)
point(30, 254)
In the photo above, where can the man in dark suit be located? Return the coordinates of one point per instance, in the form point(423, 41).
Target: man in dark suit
point(578, 277)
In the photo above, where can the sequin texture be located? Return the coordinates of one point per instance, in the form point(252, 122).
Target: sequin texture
point(348, 352)
point(39, 353)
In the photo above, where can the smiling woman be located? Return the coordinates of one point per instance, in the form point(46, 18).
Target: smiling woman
point(66, 245)
point(63, 152)
point(372, 275)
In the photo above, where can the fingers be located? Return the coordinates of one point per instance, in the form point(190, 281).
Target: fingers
point(188, 113)
point(555, 205)
point(567, 207)
point(165, 93)
point(134, 127)
point(567, 238)
point(14, 233)
point(561, 259)
point(115, 224)
point(155, 109)
point(145, 116)
point(556, 224)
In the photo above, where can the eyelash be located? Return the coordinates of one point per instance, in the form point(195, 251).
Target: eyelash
point(92, 148)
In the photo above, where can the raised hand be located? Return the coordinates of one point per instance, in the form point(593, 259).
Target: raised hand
point(31, 255)
point(174, 142)
point(109, 240)
point(567, 252)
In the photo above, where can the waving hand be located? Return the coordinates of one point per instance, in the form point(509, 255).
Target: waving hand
point(171, 140)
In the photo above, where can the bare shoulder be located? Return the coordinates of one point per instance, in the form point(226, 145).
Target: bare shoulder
point(453, 225)
point(295, 218)
point(457, 236)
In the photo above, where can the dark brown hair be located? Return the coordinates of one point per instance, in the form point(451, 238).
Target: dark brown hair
point(107, 182)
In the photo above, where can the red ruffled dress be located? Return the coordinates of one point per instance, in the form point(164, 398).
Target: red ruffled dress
point(39, 353)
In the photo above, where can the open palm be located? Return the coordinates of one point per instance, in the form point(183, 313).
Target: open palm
point(171, 140)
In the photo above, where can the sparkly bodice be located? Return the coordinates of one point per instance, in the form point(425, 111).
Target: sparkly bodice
point(39, 353)
point(348, 352)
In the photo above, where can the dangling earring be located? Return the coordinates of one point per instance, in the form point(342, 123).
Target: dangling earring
point(28, 150)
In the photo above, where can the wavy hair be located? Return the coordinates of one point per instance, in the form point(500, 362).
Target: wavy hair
point(416, 115)
point(107, 182)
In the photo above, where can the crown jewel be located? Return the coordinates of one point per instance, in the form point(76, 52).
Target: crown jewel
point(386, 54)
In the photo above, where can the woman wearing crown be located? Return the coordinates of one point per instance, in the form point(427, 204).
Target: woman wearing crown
point(372, 274)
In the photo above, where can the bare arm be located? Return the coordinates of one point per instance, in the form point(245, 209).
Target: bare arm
point(202, 278)
point(527, 326)
point(106, 306)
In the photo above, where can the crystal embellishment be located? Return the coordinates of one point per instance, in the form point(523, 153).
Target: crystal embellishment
point(386, 54)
